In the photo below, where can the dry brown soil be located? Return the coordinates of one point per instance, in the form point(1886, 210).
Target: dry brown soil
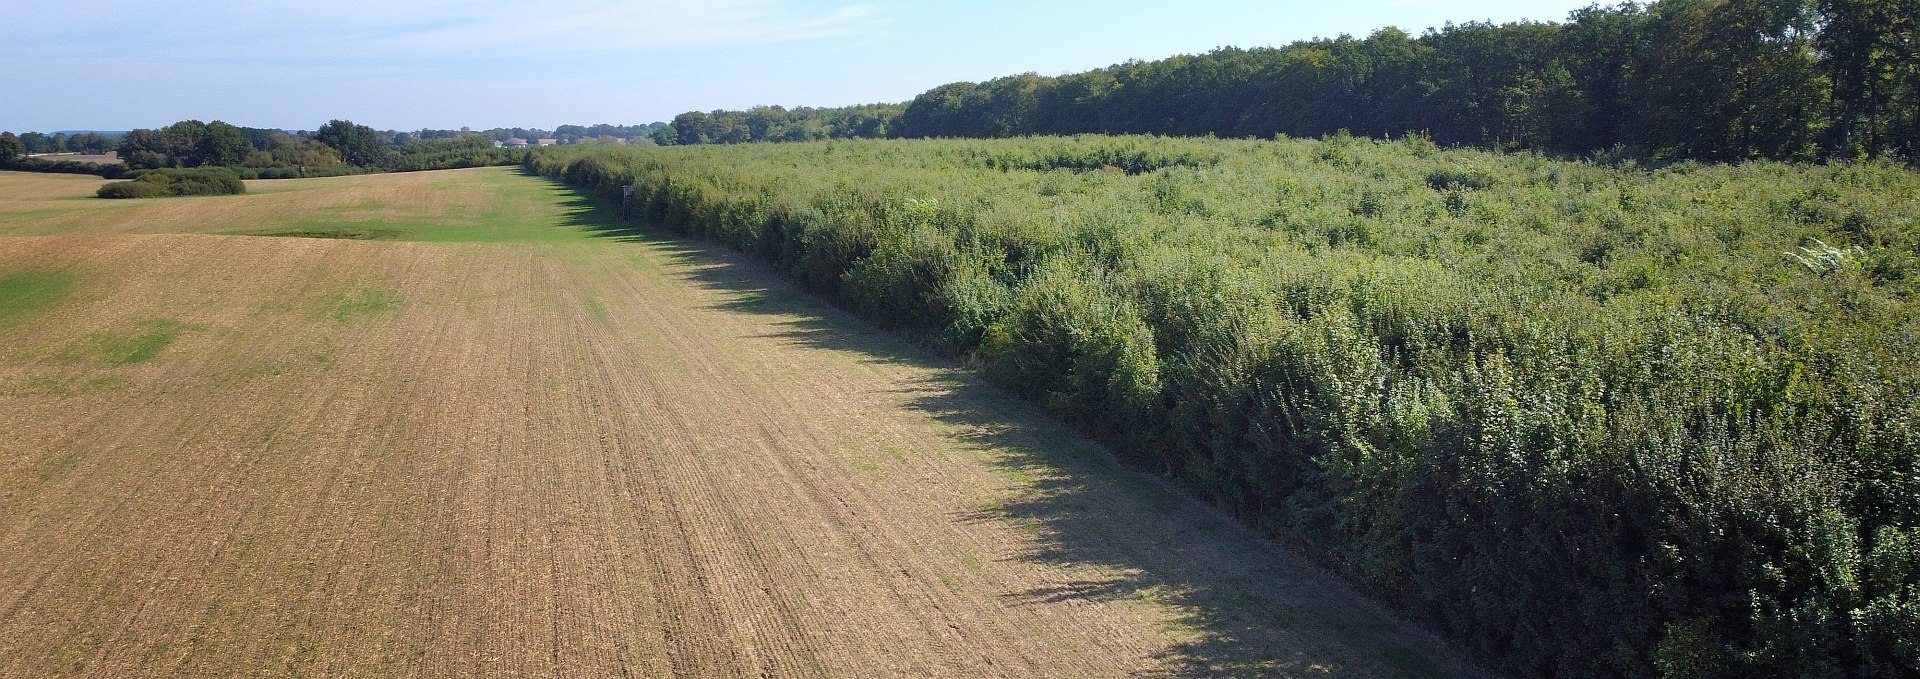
point(606, 456)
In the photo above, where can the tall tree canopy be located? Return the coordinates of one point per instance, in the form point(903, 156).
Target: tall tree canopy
point(188, 143)
point(357, 144)
point(1705, 79)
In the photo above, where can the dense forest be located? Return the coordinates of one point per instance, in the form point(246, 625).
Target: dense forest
point(1592, 421)
point(1722, 80)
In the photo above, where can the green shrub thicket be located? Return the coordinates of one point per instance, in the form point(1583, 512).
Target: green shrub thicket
point(199, 181)
point(1592, 421)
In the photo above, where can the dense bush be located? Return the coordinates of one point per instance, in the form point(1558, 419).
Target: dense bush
point(1591, 421)
point(270, 173)
point(133, 190)
point(199, 181)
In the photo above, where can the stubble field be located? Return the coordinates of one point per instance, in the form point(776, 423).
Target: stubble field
point(482, 432)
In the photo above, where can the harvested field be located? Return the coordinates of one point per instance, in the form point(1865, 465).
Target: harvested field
point(107, 158)
point(560, 450)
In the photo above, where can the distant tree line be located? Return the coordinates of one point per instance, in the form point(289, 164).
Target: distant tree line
point(1721, 80)
point(338, 147)
point(775, 123)
point(602, 133)
point(12, 146)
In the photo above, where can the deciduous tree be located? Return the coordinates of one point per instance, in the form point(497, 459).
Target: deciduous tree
point(357, 144)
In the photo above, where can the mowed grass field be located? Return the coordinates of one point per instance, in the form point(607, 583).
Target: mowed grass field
point(485, 432)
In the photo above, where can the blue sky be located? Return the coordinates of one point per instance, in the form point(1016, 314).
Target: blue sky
point(402, 64)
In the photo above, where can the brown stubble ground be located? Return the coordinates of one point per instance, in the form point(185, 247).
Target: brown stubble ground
point(587, 459)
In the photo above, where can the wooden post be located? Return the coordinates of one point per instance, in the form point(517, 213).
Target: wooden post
point(626, 199)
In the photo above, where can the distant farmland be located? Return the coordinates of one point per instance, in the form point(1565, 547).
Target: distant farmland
point(101, 158)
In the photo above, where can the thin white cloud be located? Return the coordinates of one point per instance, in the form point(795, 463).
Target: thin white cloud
point(614, 25)
point(439, 28)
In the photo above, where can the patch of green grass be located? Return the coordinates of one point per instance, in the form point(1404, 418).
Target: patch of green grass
point(523, 210)
point(598, 310)
point(529, 209)
point(123, 347)
point(26, 292)
point(359, 303)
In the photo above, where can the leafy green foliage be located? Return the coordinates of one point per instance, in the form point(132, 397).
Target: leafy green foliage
point(1591, 420)
point(357, 144)
point(340, 147)
point(1670, 80)
point(200, 181)
point(188, 143)
point(10, 147)
point(775, 123)
point(449, 153)
point(131, 189)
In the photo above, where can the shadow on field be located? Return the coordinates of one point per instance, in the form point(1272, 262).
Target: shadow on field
point(595, 217)
point(1258, 610)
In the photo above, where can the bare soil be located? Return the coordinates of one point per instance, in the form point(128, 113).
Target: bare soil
point(612, 456)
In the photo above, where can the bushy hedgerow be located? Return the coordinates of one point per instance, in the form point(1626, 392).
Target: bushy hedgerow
point(105, 170)
point(199, 181)
point(1591, 421)
point(311, 171)
point(133, 190)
